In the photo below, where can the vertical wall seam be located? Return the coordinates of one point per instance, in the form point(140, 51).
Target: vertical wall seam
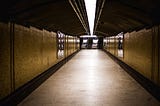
point(13, 33)
point(11, 57)
point(10, 32)
point(158, 37)
point(42, 52)
point(57, 46)
point(152, 54)
point(12, 79)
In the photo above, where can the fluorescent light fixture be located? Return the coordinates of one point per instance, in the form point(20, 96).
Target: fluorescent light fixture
point(91, 8)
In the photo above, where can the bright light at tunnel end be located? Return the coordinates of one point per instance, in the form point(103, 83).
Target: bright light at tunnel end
point(91, 8)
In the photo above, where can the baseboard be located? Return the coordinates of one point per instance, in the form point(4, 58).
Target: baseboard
point(152, 88)
point(17, 96)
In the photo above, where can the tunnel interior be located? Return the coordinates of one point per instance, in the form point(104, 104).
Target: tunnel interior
point(40, 35)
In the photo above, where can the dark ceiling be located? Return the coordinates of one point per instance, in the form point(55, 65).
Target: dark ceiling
point(69, 16)
point(53, 15)
point(115, 16)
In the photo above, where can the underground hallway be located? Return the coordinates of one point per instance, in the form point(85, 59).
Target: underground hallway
point(49, 47)
point(90, 78)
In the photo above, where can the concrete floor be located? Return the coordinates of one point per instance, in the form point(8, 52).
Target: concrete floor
point(91, 78)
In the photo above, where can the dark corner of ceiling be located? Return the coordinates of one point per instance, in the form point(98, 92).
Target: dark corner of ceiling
point(67, 16)
point(115, 16)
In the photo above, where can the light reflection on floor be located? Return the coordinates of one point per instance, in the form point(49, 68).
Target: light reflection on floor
point(91, 78)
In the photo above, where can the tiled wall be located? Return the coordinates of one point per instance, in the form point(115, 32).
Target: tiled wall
point(25, 53)
point(141, 52)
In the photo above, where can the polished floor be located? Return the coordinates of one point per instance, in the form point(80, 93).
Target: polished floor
point(91, 78)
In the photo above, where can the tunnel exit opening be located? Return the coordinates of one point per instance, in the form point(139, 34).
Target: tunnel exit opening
point(91, 42)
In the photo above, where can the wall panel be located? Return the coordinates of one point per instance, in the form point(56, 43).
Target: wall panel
point(66, 46)
point(28, 53)
point(5, 74)
point(155, 54)
point(112, 45)
point(35, 52)
point(25, 53)
point(138, 51)
point(49, 49)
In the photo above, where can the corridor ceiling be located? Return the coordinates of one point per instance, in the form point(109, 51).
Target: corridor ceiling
point(66, 16)
point(115, 16)
point(70, 16)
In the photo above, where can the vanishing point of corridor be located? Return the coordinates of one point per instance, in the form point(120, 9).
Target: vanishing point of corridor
point(90, 78)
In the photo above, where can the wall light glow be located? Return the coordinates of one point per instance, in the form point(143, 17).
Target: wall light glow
point(91, 7)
